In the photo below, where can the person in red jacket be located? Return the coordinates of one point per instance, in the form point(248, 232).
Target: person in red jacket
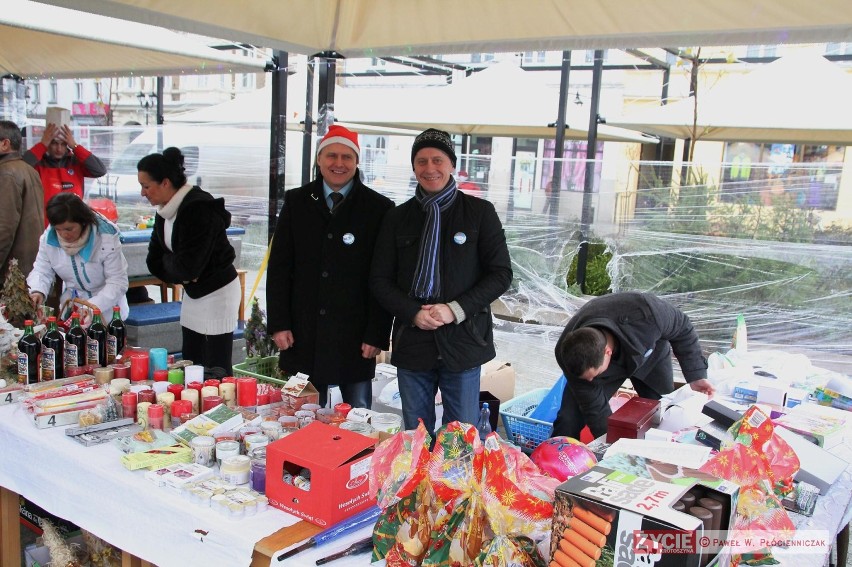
point(62, 163)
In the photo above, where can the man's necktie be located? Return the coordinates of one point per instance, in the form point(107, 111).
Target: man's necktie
point(336, 198)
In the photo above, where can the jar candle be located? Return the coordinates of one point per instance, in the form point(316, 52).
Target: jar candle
point(159, 358)
point(255, 440)
point(179, 408)
point(156, 416)
point(192, 395)
point(310, 407)
point(210, 402)
point(120, 370)
point(175, 375)
point(360, 427)
point(104, 375)
point(139, 366)
point(193, 373)
point(203, 447)
point(247, 392)
point(228, 391)
point(147, 395)
point(160, 387)
point(342, 408)
point(324, 415)
point(289, 423)
point(235, 469)
point(305, 417)
point(175, 389)
point(387, 422)
point(272, 429)
point(161, 375)
point(142, 414)
point(207, 391)
point(258, 470)
point(128, 405)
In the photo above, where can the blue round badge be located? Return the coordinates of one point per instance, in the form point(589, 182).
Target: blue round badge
point(348, 238)
point(459, 238)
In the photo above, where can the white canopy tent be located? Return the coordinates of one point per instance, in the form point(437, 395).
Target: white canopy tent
point(801, 98)
point(372, 28)
point(42, 41)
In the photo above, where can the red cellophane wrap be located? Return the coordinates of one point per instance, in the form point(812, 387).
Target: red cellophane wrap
point(398, 482)
point(763, 464)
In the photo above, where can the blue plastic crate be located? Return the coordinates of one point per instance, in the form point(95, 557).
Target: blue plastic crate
point(525, 432)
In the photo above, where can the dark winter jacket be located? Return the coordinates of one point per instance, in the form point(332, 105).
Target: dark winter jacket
point(645, 327)
point(202, 258)
point(317, 283)
point(475, 268)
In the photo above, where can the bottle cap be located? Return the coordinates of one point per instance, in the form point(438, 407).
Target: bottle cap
point(51, 319)
point(484, 405)
point(28, 322)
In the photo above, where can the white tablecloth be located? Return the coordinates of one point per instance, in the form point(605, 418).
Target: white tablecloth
point(91, 488)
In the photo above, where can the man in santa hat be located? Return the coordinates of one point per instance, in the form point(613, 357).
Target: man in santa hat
point(320, 310)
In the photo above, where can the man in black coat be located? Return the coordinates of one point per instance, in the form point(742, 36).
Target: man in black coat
point(620, 336)
point(321, 312)
point(441, 260)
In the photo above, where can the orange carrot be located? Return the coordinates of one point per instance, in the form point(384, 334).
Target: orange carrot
point(582, 544)
point(564, 561)
point(587, 531)
point(593, 520)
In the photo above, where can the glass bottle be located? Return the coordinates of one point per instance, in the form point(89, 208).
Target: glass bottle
point(75, 344)
point(484, 425)
point(96, 344)
point(116, 335)
point(52, 352)
point(29, 355)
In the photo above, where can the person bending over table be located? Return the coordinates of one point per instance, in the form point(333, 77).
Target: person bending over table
point(619, 336)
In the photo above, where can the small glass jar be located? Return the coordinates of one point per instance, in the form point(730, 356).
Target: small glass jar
point(387, 422)
point(325, 415)
point(235, 469)
point(225, 449)
point(272, 429)
point(258, 470)
point(289, 424)
point(305, 417)
point(360, 427)
point(254, 441)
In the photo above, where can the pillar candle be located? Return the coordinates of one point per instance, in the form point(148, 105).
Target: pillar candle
point(142, 414)
point(139, 366)
point(195, 386)
point(128, 405)
point(179, 408)
point(166, 399)
point(176, 375)
point(210, 402)
point(118, 385)
point(159, 360)
point(104, 375)
point(211, 382)
point(160, 387)
point(175, 389)
point(161, 375)
point(147, 396)
point(247, 392)
point(191, 394)
point(194, 373)
point(121, 370)
point(207, 391)
point(228, 391)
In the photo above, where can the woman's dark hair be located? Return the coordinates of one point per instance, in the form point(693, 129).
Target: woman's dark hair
point(68, 207)
point(167, 165)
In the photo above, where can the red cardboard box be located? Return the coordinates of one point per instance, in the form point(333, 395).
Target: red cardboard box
point(339, 464)
point(633, 419)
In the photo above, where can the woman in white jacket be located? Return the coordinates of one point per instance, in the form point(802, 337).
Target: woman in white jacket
point(84, 250)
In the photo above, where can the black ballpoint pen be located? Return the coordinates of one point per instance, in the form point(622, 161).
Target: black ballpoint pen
point(361, 546)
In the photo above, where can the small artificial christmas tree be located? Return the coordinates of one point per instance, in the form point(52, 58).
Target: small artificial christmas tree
point(16, 296)
point(259, 342)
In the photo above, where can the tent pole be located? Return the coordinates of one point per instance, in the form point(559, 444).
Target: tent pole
point(277, 138)
point(309, 122)
point(160, 118)
point(559, 150)
point(589, 181)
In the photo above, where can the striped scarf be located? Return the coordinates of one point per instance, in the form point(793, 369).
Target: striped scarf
point(427, 277)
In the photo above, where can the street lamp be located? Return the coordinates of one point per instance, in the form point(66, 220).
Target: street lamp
point(146, 101)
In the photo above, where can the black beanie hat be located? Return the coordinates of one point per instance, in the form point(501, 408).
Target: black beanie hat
point(433, 138)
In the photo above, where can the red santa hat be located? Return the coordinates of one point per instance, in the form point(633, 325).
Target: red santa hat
point(340, 135)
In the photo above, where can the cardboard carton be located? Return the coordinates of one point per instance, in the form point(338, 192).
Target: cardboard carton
point(339, 464)
point(498, 377)
point(58, 115)
point(616, 514)
point(298, 391)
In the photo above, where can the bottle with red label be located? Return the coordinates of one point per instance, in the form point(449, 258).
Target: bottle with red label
point(75, 344)
point(29, 356)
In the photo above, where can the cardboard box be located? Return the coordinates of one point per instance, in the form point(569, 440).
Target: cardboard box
point(633, 419)
point(339, 464)
point(11, 394)
point(498, 377)
point(58, 115)
point(628, 514)
point(298, 391)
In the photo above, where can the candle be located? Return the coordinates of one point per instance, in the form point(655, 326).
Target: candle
point(128, 404)
point(263, 399)
point(161, 375)
point(142, 414)
point(139, 366)
point(191, 394)
point(159, 360)
point(121, 370)
point(207, 391)
point(156, 416)
point(147, 396)
point(229, 380)
point(180, 408)
point(247, 392)
point(194, 373)
point(212, 382)
point(195, 386)
point(176, 375)
point(118, 385)
point(175, 389)
point(274, 395)
point(228, 391)
point(139, 386)
point(210, 402)
point(160, 387)
point(104, 375)
point(166, 399)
